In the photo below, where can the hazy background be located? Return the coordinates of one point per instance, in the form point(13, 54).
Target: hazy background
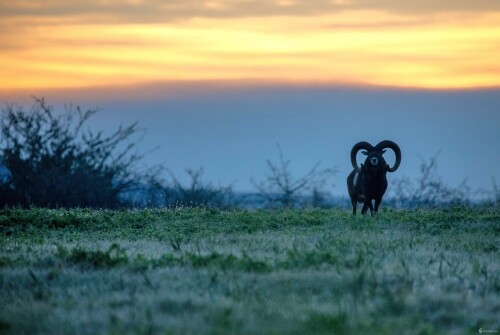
point(231, 130)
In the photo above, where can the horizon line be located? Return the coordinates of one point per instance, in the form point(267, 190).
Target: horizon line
point(207, 85)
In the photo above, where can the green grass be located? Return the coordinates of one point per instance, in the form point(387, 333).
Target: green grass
point(204, 271)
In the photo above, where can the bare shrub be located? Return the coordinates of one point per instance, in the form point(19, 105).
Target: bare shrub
point(496, 192)
point(52, 160)
point(491, 197)
point(281, 189)
point(196, 192)
point(428, 189)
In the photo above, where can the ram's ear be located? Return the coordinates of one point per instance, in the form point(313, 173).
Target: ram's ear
point(364, 152)
point(383, 152)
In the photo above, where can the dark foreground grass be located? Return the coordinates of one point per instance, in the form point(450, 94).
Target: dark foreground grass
point(203, 271)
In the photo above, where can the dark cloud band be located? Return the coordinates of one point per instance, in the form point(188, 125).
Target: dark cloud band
point(115, 11)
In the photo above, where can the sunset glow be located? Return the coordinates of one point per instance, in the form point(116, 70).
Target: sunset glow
point(352, 46)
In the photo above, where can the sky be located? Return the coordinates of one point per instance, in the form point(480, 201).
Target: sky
point(220, 83)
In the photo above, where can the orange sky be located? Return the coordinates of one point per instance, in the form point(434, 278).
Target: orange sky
point(49, 44)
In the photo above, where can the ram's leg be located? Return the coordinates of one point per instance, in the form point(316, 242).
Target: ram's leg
point(377, 203)
point(365, 207)
point(354, 203)
point(370, 206)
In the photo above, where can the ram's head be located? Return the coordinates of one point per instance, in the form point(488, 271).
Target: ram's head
point(375, 159)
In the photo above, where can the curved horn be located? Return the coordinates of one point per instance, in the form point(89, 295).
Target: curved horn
point(358, 146)
point(394, 147)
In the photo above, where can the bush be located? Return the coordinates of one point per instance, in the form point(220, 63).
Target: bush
point(197, 192)
point(51, 160)
point(428, 189)
point(281, 189)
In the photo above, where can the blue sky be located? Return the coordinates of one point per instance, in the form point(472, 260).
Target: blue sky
point(231, 131)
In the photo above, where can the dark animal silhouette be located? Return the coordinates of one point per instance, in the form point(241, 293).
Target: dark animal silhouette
point(368, 182)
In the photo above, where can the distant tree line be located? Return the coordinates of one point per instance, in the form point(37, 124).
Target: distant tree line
point(54, 160)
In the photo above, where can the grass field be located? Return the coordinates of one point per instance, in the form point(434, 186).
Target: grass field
point(204, 271)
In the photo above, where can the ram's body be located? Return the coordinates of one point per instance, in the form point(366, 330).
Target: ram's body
point(364, 188)
point(368, 182)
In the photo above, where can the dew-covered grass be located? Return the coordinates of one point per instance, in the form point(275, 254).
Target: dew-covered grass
point(205, 271)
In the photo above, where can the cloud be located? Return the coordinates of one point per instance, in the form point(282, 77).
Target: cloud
point(430, 6)
point(156, 11)
point(57, 43)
